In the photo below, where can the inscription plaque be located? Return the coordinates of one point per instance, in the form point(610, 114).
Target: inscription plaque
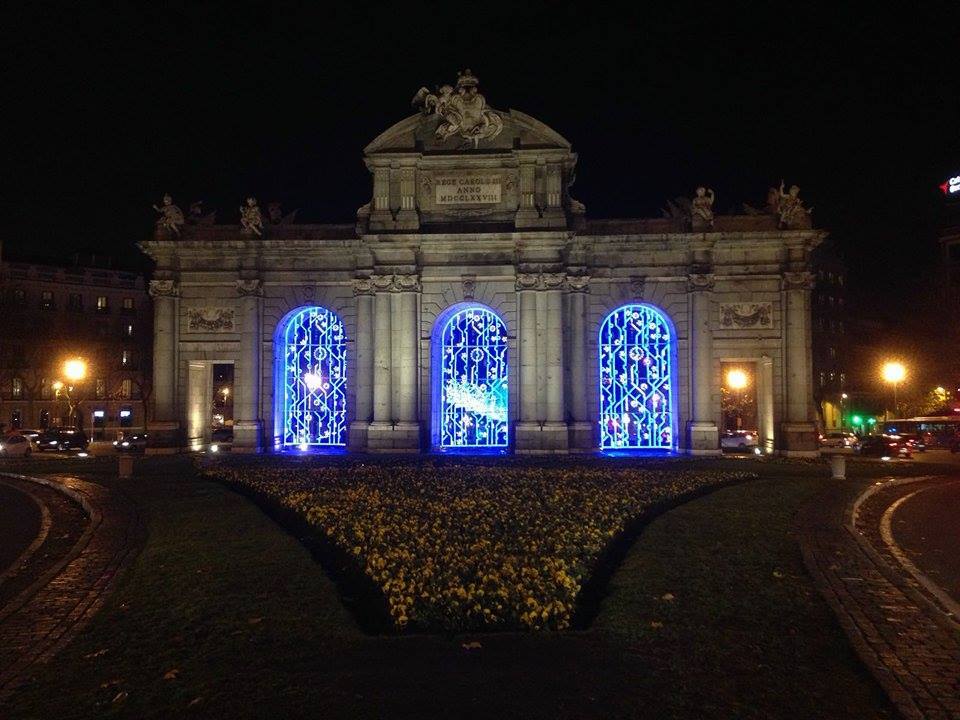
point(468, 190)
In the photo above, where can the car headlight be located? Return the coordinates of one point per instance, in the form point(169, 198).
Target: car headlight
point(52, 442)
point(125, 444)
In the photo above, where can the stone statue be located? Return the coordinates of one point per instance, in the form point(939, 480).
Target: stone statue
point(171, 217)
point(701, 208)
point(464, 113)
point(196, 216)
point(790, 208)
point(251, 220)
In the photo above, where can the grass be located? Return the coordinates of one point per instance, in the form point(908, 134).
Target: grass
point(237, 614)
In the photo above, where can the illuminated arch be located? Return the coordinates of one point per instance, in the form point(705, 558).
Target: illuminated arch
point(311, 380)
point(637, 404)
point(470, 370)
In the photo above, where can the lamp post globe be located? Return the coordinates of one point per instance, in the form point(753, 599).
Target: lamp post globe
point(894, 373)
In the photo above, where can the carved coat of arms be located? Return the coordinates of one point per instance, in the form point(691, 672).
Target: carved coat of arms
point(740, 316)
point(463, 111)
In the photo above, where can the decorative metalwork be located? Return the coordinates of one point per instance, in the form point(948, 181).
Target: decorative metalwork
point(314, 382)
point(473, 380)
point(636, 393)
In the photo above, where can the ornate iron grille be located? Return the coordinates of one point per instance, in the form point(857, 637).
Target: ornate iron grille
point(473, 380)
point(314, 380)
point(636, 401)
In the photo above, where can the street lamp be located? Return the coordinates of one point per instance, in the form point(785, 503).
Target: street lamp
point(843, 397)
point(75, 369)
point(894, 373)
point(737, 380)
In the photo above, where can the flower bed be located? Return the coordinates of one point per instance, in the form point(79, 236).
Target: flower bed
point(457, 548)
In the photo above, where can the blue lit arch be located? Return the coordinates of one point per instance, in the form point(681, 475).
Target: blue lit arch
point(470, 371)
point(637, 404)
point(311, 380)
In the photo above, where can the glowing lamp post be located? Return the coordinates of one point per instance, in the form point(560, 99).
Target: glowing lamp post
point(894, 373)
point(737, 380)
point(74, 370)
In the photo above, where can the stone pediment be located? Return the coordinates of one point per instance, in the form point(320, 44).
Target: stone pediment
point(418, 134)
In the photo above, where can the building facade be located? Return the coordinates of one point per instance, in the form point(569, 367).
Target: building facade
point(829, 306)
point(54, 313)
point(475, 307)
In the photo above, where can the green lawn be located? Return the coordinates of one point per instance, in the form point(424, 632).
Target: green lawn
point(243, 622)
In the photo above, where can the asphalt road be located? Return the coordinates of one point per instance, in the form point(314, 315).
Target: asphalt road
point(19, 523)
point(927, 527)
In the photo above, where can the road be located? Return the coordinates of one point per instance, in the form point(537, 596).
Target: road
point(926, 526)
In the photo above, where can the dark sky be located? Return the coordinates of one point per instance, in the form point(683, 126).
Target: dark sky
point(120, 105)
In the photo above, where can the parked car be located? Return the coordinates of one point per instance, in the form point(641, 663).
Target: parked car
point(739, 440)
point(914, 441)
point(884, 446)
point(15, 446)
point(838, 440)
point(64, 438)
point(132, 442)
point(31, 435)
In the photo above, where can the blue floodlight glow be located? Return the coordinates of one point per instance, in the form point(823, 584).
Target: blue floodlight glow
point(471, 375)
point(313, 410)
point(636, 390)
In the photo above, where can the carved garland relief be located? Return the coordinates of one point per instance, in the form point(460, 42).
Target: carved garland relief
point(740, 316)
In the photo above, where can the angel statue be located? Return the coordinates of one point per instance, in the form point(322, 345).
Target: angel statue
point(790, 208)
point(701, 208)
point(171, 217)
point(251, 220)
point(464, 114)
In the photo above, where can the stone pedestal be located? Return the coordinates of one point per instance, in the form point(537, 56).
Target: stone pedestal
point(247, 436)
point(393, 437)
point(580, 436)
point(703, 438)
point(357, 438)
point(799, 439)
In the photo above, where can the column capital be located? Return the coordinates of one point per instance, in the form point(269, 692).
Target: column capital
point(700, 282)
point(540, 281)
point(802, 280)
point(396, 282)
point(249, 287)
point(164, 288)
point(578, 283)
point(363, 286)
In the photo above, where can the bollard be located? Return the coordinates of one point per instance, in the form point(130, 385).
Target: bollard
point(838, 467)
point(126, 465)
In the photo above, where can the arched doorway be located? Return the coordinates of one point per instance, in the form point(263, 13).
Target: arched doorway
point(311, 380)
point(470, 371)
point(637, 403)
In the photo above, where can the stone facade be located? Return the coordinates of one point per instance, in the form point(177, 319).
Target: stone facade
point(488, 221)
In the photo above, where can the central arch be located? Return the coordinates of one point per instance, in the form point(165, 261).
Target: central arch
point(637, 403)
point(470, 370)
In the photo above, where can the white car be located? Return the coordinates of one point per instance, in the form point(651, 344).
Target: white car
point(15, 446)
point(739, 440)
point(839, 440)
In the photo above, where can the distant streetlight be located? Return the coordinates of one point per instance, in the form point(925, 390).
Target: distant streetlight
point(737, 380)
point(894, 372)
point(75, 369)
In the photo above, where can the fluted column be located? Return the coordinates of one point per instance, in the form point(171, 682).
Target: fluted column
point(702, 428)
point(405, 351)
point(553, 356)
point(163, 429)
point(799, 433)
point(526, 289)
point(247, 428)
point(382, 359)
point(363, 402)
point(581, 435)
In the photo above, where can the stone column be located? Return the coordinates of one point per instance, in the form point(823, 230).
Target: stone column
point(406, 370)
point(248, 427)
point(527, 433)
point(799, 437)
point(581, 430)
point(765, 403)
point(555, 437)
point(363, 351)
point(382, 375)
point(703, 437)
point(163, 431)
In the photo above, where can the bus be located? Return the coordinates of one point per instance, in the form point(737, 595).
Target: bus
point(937, 431)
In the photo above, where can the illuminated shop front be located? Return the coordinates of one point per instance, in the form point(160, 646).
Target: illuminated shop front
point(474, 306)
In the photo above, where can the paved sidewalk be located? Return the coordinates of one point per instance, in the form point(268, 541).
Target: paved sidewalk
point(912, 650)
point(46, 616)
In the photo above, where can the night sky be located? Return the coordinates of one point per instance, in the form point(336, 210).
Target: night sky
point(122, 105)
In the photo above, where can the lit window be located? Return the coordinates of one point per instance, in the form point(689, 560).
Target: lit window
point(46, 300)
point(471, 379)
point(128, 304)
point(312, 380)
point(102, 304)
point(636, 391)
point(125, 358)
point(101, 388)
point(126, 389)
point(128, 329)
point(17, 388)
point(44, 389)
point(823, 379)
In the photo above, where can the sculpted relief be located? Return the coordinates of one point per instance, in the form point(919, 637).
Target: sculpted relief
point(740, 316)
point(463, 111)
point(207, 319)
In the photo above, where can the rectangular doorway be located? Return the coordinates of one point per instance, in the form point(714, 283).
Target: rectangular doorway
point(209, 401)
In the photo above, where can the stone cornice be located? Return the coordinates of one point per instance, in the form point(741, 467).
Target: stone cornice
point(396, 283)
point(802, 280)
